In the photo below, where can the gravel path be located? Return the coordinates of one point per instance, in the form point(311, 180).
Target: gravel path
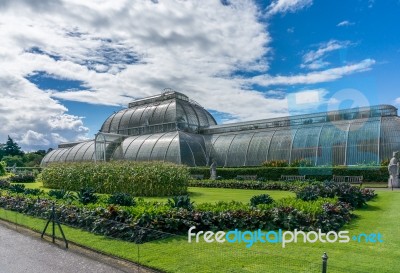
point(20, 253)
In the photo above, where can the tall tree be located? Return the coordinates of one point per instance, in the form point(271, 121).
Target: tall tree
point(11, 148)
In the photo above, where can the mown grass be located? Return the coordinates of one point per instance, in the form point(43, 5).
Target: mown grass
point(175, 254)
point(203, 195)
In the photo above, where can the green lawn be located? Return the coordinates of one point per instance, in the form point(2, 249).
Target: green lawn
point(203, 195)
point(212, 195)
point(177, 255)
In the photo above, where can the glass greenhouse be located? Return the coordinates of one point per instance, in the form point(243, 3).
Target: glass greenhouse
point(171, 127)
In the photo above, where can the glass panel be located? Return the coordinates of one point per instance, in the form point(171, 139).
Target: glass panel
point(124, 122)
point(170, 113)
point(332, 144)
point(158, 115)
point(161, 147)
point(221, 148)
point(173, 152)
point(238, 150)
point(114, 127)
point(305, 144)
point(258, 148)
point(89, 153)
point(187, 157)
point(106, 125)
point(280, 145)
point(195, 154)
point(362, 147)
point(135, 118)
point(147, 147)
point(134, 147)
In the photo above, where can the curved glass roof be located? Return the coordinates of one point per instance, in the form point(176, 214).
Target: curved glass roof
point(350, 142)
point(167, 112)
point(177, 147)
point(83, 151)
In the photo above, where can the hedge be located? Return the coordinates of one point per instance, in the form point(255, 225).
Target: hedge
point(135, 178)
point(370, 173)
point(249, 184)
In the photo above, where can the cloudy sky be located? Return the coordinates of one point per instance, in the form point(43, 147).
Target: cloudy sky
point(66, 65)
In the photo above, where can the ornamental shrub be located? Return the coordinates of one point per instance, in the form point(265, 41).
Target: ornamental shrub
point(62, 194)
point(17, 188)
point(261, 199)
point(22, 178)
point(135, 178)
point(87, 196)
point(182, 201)
point(345, 192)
point(123, 199)
point(33, 191)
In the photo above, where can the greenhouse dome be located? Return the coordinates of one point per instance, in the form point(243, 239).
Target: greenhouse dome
point(171, 127)
point(169, 111)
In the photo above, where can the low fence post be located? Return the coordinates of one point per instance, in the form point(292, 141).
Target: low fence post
point(324, 263)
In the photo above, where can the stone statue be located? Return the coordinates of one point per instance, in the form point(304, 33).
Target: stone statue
point(393, 169)
point(213, 170)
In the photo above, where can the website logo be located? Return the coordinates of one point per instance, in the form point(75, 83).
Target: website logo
point(279, 237)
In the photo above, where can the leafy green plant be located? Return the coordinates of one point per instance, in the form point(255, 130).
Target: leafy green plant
point(87, 195)
point(261, 199)
point(309, 193)
point(181, 201)
point(123, 199)
point(62, 194)
point(135, 178)
point(345, 192)
point(33, 191)
point(17, 188)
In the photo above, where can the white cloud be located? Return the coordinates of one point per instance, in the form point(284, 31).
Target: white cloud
point(31, 116)
point(284, 6)
point(127, 49)
point(345, 23)
point(307, 97)
point(324, 49)
point(315, 65)
point(314, 77)
point(333, 101)
point(397, 101)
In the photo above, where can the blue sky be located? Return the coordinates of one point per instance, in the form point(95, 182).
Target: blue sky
point(64, 72)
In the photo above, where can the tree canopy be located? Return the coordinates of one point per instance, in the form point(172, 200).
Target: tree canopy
point(11, 148)
point(12, 154)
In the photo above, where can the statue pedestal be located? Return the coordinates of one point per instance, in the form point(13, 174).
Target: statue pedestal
point(393, 182)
